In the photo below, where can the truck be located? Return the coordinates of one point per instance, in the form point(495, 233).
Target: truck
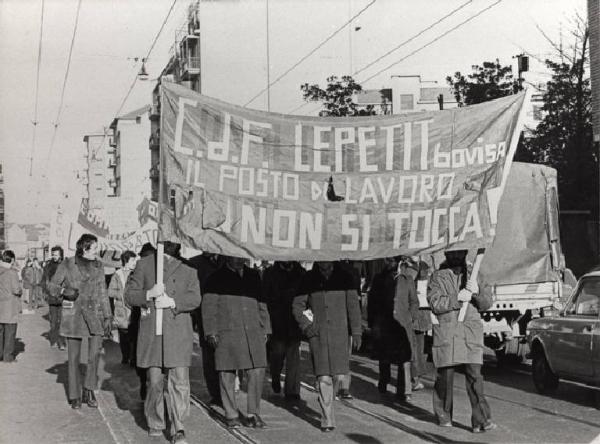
point(524, 265)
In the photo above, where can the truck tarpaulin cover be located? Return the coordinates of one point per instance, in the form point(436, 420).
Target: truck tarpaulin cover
point(253, 184)
point(521, 252)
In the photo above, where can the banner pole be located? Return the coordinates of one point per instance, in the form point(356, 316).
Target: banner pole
point(160, 247)
point(473, 279)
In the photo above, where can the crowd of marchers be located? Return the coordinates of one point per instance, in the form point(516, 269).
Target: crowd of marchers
point(248, 319)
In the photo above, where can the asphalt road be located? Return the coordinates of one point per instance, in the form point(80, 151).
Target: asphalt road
point(33, 406)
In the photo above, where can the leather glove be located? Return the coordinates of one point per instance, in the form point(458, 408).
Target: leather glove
point(107, 327)
point(70, 294)
point(155, 291)
point(356, 342)
point(212, 340)
point(164, 301)
point(311, 330)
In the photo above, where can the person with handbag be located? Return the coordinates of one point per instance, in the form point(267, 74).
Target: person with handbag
point(86, 313)
point(122, 312)
point(54, 303)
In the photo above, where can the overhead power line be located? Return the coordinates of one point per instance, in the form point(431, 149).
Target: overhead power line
point(128, 93)
point(311, 52)
point(431, 42)
point(37, 89)
point(451, 13)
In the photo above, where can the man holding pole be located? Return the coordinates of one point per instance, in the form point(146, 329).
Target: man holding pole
point(458, 341)
point(165, 347)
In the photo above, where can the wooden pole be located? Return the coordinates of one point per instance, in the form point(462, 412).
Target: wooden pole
point(160, 259)
point(473, 279)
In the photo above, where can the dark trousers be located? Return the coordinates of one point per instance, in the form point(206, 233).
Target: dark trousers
point(127, 345)
point(256, 377)
point(403, 383)
point(8, 333)
point(55, 315)
point(211, 377)
point(418, 364)
point(91, 374)
point(443, 394)
point(178, 397)
point(288, 351)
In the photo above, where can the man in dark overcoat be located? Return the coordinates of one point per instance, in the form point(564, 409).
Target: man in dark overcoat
point(171, 352)
point(205, 265)
point(281, 283)
point(236, 323)
point(326, 308)
point(457, 343)
point(391, 340)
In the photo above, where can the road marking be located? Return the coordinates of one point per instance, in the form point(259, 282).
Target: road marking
point(100, 399)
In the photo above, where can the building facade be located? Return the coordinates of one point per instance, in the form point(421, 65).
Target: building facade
point(2, 219)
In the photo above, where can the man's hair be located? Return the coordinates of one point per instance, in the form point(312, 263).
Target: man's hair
point(8, 256)
point(126, 255)
point(147, 250)
point(59, 249)
point(84, 243)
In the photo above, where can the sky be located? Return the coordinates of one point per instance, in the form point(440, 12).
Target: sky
point(112, 33)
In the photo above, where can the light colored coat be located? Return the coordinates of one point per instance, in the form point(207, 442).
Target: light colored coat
point(116, 291)
point(455, 342)
point(10, 294)
point(174, 347)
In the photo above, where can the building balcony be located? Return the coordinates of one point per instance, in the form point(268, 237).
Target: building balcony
point(154, 172)
point(112, 141)
point(112, 163)
point(190, 66)
point(154, 142)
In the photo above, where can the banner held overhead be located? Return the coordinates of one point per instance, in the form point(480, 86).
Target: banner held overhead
point(261, 185)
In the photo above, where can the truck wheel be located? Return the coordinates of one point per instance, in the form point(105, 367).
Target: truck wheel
point(544, 379)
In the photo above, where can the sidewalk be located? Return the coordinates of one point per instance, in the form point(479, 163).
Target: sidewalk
point(34, 407)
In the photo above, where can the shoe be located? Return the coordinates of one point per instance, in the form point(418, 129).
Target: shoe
point(276, 385)
point(89, 398)
point(486, 427)
point(155, 432)
point(417, 386)
point(75, 404)
point(292, 397)
point(445, 424)
point(327, 429)
point(233, 423)
point(179, 438)
point(382, 387)
point(407, 398)
point(255, 422)
point(216, 401)
point(345, 394)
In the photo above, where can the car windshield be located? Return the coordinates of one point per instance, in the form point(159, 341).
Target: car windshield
point(586, 300)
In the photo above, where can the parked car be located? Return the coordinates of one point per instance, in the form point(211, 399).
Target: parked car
point(568, 345)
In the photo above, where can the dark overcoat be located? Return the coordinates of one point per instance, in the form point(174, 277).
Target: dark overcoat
point(390, 337)
point(233, 310)
point(280, 288)
point(86, 315)
point(174, 347)
point(456, 342)
point(406, 310)
point(336, 311)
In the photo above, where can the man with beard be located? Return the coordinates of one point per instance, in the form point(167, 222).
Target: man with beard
point(457, 343)
point(326, 309)
point(236, 324)
point(54, 303)
point(281, 283)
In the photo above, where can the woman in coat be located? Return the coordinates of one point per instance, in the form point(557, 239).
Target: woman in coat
point(326, 309)
point(80, 282)
point(457, 343)
point(10, 305)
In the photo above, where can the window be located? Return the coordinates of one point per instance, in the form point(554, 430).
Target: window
point(406, 101)
point(585, 302)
